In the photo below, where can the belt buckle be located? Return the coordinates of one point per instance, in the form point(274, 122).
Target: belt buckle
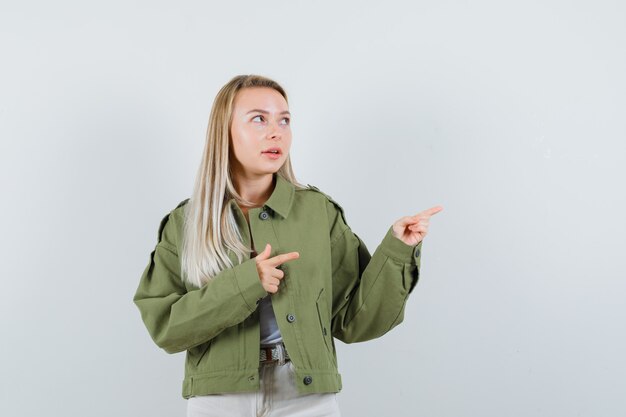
point(281, 353)
point(279, 348)
point(268, 354)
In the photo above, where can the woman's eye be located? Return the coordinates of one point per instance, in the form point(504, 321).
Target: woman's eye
point(288, 120)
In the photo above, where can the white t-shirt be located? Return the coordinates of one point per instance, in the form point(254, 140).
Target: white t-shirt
point(269, 328)
point(270, 333)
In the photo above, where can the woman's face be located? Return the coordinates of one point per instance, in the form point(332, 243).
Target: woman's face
point(261, 121)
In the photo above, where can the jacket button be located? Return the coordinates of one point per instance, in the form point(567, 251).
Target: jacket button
point(417, 252)
point(264, 215)
point(291, 318)
point(307, 380)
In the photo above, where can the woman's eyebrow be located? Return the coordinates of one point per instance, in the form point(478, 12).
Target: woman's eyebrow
point(266, 112)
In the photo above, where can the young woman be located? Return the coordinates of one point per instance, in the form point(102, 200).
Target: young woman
point(255, 274)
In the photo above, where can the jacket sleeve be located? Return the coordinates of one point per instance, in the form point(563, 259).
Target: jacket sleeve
point(178, 319)
point(369, 291)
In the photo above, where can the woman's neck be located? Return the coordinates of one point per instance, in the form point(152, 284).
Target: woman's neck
point(257, 190)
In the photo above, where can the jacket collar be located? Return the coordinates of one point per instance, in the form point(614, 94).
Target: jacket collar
point(282, 197)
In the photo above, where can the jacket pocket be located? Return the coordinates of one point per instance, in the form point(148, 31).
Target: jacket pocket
point(321, 316)
point(198, 352)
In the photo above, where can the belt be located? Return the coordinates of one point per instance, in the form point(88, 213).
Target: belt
point(275, 352)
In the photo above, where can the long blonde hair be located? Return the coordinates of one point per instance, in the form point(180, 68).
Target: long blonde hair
point(210, 229)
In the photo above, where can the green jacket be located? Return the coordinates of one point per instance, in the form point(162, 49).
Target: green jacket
point(335, 289)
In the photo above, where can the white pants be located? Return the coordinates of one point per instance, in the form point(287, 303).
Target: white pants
point(277, 397)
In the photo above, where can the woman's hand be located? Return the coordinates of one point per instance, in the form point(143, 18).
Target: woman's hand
point(412, 229)
point(269, 268)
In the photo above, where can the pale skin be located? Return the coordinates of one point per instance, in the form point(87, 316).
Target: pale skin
point(261, 120)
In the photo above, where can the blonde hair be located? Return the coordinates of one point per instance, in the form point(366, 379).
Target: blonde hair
point(210, 228)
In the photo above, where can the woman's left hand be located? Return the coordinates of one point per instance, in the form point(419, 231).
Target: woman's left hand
point(412, 229)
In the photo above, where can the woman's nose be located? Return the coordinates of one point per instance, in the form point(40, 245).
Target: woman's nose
point(272, 129)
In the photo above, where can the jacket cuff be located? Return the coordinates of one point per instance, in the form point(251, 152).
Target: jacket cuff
point(397, 249)
point(249, 283)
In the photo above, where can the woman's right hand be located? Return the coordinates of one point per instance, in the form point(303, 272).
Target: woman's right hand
point(269, 273)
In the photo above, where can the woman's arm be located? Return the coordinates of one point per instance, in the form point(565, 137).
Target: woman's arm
point(178, 320)
point(369, 291)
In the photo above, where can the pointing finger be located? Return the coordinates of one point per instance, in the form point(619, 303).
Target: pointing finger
point(433, 210)
point(282, 258)
point(429, 212)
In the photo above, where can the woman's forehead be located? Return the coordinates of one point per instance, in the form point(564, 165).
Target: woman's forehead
point(262, 98)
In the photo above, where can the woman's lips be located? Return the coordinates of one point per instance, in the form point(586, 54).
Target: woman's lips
point(272, 155)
